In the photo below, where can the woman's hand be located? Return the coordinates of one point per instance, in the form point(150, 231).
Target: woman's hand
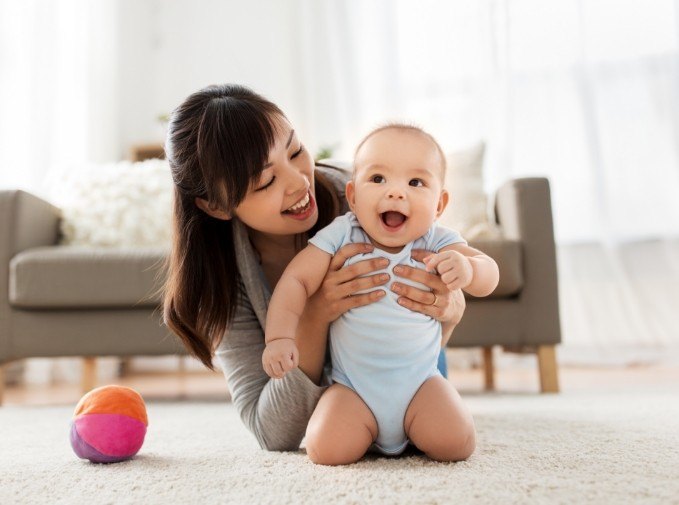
point(334, 297)
point(449, 306)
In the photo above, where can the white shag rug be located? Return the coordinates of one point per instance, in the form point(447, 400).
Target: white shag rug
point(567, 448)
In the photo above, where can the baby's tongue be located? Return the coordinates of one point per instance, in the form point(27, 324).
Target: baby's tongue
point(393, 218)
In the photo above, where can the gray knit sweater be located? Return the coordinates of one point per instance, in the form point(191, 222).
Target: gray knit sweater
point(276, 411)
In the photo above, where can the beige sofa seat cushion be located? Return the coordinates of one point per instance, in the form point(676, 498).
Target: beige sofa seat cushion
point(66, 277)
point(508, 256)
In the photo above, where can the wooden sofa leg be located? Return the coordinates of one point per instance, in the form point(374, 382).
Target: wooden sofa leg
point(124, 366)
point(89, 374)
point(549, 372)
point(3, 368)
point(488, 370)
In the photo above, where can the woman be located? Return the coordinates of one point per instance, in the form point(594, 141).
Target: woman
point(239, 167)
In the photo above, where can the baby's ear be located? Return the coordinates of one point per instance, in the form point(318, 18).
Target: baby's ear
point(443, 202)
point(350, 193)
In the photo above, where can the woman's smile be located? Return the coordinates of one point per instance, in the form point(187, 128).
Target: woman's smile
point(303, 210)
point(299, 204)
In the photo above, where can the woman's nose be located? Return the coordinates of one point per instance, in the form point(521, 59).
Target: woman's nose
point(299, 184)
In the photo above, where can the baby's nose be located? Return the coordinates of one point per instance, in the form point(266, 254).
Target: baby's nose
point(395, 193)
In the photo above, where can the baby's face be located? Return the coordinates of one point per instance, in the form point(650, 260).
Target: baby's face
point(397, 192)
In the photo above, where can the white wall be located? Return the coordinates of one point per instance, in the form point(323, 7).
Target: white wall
point(170, 49)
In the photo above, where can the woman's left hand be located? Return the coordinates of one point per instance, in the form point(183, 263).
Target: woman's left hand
point(449, 305)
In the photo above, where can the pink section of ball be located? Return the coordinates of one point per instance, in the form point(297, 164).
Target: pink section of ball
point(111, 434)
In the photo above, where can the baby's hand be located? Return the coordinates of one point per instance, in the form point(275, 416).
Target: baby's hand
point(454, 268)
point(279, 357)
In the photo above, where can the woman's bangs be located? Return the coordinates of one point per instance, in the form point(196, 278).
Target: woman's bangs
point(239, 136)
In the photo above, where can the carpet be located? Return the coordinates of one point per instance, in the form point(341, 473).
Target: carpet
point(567, 448)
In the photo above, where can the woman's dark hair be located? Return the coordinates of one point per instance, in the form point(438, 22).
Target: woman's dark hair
point(218, 142)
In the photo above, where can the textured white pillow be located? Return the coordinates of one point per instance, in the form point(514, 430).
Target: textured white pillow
point(117, 204)
point(467, 209)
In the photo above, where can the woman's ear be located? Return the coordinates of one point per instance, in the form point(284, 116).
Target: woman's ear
point(350, 194)
point(443, 202)
point(203, 205)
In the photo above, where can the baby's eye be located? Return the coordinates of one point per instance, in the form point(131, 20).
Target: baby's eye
point(417, 180)
point(376, 177)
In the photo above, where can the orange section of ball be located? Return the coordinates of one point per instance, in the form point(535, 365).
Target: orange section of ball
point(113, 400)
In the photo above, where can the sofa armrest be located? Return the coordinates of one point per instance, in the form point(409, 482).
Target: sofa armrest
point(523, 209)
point(26, 221)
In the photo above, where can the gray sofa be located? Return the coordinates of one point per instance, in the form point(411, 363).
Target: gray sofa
point(58, 300)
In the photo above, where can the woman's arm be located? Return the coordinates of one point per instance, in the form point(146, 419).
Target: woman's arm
point(312, 341)
point(275, 411)
point(459, 304)
point(278, 411)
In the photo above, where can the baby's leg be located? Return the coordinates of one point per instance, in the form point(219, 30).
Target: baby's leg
point(341, 428)
point(438, 423)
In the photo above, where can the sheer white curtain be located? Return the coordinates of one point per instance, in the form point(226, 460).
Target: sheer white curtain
point(58, 69)
point(58, 81)
point(585, 93)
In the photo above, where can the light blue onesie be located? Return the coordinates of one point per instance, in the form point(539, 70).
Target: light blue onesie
point(384, 351)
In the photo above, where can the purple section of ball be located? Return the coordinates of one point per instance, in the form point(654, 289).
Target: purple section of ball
point(85, 451)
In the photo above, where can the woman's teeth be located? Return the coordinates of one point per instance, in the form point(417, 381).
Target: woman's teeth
point(301, 205)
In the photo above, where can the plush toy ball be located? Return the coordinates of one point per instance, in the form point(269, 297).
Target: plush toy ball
point(109, 424)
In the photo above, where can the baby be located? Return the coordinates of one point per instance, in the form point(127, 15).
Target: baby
point(382, 351)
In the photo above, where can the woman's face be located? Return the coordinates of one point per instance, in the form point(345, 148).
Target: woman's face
point(287, 180)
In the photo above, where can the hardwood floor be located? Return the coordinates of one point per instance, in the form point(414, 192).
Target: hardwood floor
point(208, 386)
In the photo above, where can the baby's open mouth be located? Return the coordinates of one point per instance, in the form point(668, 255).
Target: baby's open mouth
point(393, 219)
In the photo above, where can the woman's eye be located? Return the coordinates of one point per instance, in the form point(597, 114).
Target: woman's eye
point(299, 151)
point(376, 177)
point(417, 180)
point(267, 185)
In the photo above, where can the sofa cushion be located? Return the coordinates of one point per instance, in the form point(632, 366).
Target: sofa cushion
point(508, 256)
point(63, 277)
point(66, 277)
point(467, 209)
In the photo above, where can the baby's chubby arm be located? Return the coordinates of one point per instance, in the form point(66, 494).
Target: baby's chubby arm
point(301, 279)
point(466, 268)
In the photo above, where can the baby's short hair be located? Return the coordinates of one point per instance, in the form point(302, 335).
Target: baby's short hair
point(408, 127)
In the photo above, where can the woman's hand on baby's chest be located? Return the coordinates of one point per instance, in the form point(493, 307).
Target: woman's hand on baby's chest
point(440, 303)
point(344, 285)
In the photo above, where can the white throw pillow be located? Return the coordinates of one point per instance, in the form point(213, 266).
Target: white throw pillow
point(467, 209)
point(116, 205)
